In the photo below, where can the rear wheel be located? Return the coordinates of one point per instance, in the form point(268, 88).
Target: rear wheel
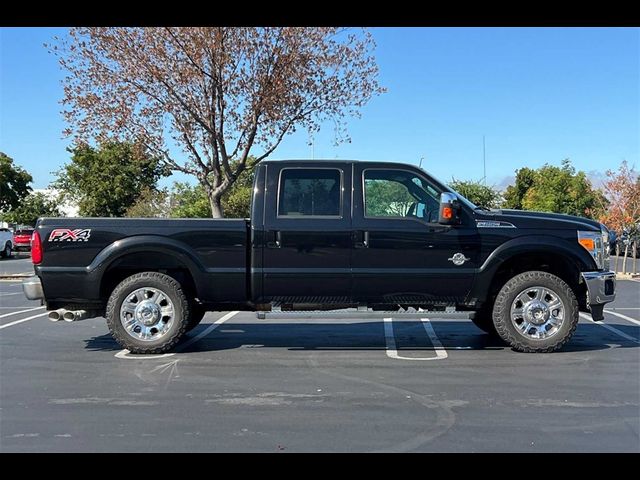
point(148, 313)
point(6, 253)
point(196, 315)
point(536, 312)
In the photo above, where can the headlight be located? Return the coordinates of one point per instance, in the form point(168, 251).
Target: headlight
point(596, 243)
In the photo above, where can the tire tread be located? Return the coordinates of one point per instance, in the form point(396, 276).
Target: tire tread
point(112, 314)
point(501, 311)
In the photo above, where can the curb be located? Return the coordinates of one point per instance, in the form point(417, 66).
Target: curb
point(627, 276)
point(14, 276)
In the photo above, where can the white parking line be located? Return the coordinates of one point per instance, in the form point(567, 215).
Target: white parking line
point(8, 294)
point(392, 350)
point(126, 355)
point(19, 311)
point(610, 328)
point(207, 330)
point(23, 320)
point(632, 320)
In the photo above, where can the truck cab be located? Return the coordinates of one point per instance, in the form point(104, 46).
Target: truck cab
point(358, 232)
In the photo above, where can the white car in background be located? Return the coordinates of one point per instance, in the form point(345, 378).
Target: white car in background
point(6, 242)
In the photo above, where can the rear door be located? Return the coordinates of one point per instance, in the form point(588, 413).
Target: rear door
point(307, 233)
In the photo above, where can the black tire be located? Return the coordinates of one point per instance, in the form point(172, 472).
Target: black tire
point(6, 253)
point(483, 319)
point(169, 287)
point(196, 315)
point(518, 340)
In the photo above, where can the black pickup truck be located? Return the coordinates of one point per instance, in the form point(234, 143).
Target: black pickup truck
point(329, 235)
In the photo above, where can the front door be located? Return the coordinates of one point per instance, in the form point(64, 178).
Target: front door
point(401, 254)
point(307, 233)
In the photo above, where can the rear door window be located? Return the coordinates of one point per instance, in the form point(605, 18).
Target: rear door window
point(310, 192)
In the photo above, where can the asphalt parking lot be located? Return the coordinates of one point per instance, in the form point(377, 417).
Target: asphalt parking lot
point(18, 264)
point(243, 384)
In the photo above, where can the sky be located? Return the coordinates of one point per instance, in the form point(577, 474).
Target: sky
point(537, 95)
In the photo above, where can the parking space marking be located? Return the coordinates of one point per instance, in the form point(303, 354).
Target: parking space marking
point(4, 315)
point(207, 330)
point(126, 355)
point(392, 349)
point(8, 294)
point(610, 328)
point(23, 320)
point(624, 317)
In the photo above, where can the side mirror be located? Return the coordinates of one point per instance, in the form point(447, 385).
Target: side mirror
point(449, 208)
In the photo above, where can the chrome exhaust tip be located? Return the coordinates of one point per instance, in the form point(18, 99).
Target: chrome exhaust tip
point(56, 315)
point(76, 315)
point(69, 316)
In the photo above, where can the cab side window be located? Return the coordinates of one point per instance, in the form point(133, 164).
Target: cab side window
point(399, 194)
point(310, 192)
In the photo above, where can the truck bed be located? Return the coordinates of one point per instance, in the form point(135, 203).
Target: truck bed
point(84, 261)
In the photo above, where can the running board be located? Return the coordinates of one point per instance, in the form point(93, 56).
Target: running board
point(353, 313)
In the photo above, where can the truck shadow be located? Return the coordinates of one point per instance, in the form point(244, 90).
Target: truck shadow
point(409, 336)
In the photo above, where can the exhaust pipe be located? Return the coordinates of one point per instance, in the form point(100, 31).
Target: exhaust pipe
point(56, 315)
point(77, 315)
point(74, 315)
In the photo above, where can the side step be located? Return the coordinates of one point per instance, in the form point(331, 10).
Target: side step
point(359, 313)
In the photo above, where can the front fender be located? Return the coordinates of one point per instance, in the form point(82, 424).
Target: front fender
point(532, 245)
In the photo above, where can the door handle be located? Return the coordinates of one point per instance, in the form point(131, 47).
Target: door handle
point(277, 240)
point(364, 243)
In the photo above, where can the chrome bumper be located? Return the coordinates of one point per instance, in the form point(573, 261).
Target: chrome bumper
point(32, 288)
point(601, 289)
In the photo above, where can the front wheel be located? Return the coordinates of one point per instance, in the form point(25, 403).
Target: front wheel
point(148, 313)
point(536, 312)
point(6, 253)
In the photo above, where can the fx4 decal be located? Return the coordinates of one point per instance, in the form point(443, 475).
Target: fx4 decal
point(67, 235)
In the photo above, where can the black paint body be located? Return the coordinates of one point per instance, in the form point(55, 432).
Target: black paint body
point(344, 259)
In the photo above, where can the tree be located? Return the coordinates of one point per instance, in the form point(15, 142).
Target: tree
point(622, 188)
point(189, 201)
point(219, 93)
point(32, 207)
point(236, 202)
point(555, 189)
point(477, 192)
point(14, 183)
point(107, 180)
point(514, 194)
point(151, 203)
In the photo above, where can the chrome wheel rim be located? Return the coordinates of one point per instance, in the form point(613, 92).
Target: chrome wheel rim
point(537, 313)
point(147, 314)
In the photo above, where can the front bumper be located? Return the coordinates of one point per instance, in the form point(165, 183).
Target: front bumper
point(601, 289)
point(32, 288)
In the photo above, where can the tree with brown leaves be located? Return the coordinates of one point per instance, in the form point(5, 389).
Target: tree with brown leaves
point(215, 93)
point(622, 188)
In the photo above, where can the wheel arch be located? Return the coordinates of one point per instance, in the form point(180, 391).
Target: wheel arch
point(147, 253)
point(552, 255)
